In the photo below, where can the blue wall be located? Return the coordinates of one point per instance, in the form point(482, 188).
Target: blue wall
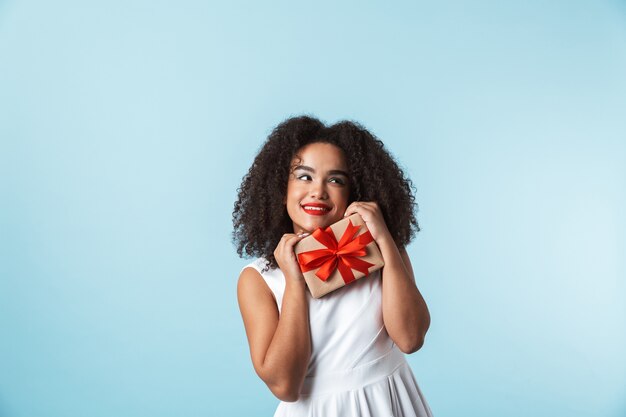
point(125, 129)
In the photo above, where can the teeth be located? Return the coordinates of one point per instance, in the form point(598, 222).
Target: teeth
point(315, 208)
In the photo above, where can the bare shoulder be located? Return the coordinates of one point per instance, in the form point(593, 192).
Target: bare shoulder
point(252, 285)
point(249, 277)
point(259, 312)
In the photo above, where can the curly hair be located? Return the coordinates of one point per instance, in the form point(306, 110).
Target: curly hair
point(259, 216)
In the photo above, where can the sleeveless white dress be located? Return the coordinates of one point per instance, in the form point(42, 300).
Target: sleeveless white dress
point(355, 368)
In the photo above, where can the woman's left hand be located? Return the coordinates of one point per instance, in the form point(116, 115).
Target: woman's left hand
point(373, 217)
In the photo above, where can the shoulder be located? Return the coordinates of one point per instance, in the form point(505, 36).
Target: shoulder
point(254, 294)
point(251, 282)
point(252, 272)
point(259, 264)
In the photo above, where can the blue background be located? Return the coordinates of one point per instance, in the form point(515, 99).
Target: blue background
point(126, 127)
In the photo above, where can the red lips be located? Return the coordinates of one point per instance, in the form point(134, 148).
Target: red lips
point(316, 209)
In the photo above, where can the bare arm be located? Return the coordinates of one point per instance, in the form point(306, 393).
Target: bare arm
point(405, 313)
point(280, 345)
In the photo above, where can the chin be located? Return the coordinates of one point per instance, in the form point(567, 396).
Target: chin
point(323, 223)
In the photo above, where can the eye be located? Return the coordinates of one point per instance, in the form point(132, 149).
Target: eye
point(337, 180)
point(303, 177)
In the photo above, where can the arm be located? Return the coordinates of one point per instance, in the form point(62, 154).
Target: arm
point(280, 345)
point(405, 313)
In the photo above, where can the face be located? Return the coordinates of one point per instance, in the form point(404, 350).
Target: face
point(318, 187)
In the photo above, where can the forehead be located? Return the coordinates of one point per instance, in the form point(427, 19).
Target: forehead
point(322, 156)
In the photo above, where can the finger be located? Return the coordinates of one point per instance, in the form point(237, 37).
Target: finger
point(350, 209)
point(296, 238)
point(368, 205)
point(291, 243)
point(281, 242)
point(356, 207)
point(287, 236)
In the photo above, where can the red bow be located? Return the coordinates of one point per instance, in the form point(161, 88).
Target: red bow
point(343, 255)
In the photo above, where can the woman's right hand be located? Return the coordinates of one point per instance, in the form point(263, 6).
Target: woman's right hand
point(286, 257)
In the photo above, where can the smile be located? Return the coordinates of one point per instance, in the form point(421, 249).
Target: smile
point(316, 210)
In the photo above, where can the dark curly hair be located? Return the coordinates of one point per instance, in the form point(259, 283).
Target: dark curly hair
point(260, 218)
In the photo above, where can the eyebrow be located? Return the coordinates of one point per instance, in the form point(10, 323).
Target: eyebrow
point(331, 172)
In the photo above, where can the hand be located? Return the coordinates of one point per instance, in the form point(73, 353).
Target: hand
point(286, 257)
point(373, 218)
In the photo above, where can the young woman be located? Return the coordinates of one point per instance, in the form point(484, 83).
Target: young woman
point(342, 354)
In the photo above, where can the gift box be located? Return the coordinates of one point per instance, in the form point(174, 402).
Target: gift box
point(338, 255)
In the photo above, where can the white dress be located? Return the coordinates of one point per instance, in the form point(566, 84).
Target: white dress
point(355, 368)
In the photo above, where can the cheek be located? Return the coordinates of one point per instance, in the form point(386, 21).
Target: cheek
point(294, 193)
point(343, 197)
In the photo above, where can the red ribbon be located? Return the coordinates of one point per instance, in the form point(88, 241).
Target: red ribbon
point(343, 255)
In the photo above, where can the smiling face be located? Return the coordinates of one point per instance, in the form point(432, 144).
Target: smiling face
point(318, 187)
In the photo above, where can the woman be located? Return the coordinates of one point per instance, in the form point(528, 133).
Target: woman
point(342, 354)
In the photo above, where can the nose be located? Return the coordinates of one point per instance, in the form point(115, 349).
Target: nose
point(318, 190)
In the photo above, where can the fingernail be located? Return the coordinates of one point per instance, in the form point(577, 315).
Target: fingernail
point(303, 234)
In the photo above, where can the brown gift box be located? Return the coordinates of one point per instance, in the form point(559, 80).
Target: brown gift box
point(335, 280)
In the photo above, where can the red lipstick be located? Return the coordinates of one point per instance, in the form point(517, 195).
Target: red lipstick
point(316, 209)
